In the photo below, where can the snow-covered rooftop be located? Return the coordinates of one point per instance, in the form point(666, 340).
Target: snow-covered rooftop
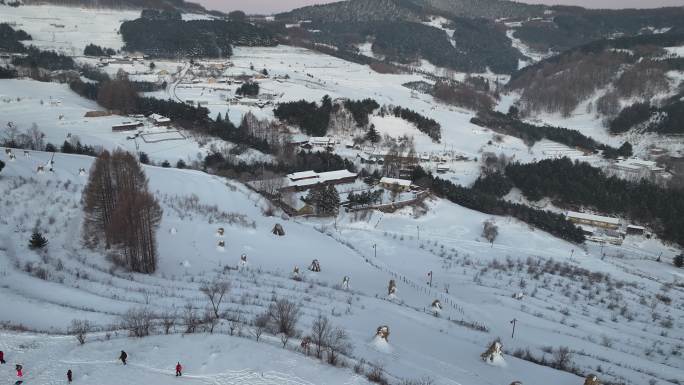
point(399, 182)
point(159, 118)
point(308, 178)
point(592, 217)
point(302, 175)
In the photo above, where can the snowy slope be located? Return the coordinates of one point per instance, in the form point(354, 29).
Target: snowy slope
point(420, 344)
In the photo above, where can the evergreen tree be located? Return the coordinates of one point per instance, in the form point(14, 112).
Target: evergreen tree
point(325, 199)
point(2, 165)
point(166, 164)
point(372, 135)
point(679, 260)
point(144, 158)
point(181, 164)
point(37, 241)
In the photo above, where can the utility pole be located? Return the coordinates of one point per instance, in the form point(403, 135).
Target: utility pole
point(513, 321)
point(375, 250)
point(430, 275)
point(418, 228)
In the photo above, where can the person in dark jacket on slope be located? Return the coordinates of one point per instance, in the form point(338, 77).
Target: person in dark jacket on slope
point(123, 357)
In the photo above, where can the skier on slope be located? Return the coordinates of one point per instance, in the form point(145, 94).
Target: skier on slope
point(2, 357)
point(69, 376)
point(20, 374)
point(123, 357)
point(179, 369)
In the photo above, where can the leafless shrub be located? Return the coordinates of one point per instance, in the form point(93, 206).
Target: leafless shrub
point(284, 316)
point(562, 358)
point(191, 319)
point(377, 374)
point(168, 320)
point(418, 381)
point(490, 231)
point(260, 324)
point(338, 343)
point(210, 320)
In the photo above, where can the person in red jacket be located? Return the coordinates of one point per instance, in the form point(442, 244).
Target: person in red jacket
point(2, 357)
point(179, 368)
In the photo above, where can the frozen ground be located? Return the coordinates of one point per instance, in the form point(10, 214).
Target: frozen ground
point(562, 305)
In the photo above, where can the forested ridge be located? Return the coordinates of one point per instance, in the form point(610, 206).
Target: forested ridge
point(195, 38)
point(580, 185)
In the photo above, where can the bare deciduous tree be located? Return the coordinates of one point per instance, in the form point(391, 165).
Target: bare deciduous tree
point(80, 329)
point(320, 334)
point(260, 324)
point(138, 322)
point(215, 291)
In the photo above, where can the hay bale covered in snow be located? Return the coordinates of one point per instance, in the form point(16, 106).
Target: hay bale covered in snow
point(383, 332)
point(592, 380)
point(278, 230)
point(494, 354)
point(392, 287)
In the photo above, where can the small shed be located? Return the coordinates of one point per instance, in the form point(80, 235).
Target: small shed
point(635, 230)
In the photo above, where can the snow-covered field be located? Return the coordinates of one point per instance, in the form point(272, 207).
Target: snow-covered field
point(68, 29)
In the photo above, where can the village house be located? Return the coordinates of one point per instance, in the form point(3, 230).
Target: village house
point(593, 220)
point(305, 180)
point(159, 120)
point(635, 169)
point(321, 141)
point(635, 230)
point(395, 184)
point(126, 126)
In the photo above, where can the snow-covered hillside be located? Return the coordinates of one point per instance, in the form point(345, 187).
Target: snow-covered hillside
point(556, 309)
point(618, 310)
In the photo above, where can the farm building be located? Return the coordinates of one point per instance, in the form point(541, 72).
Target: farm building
point(159, 120)
point(635, 169)
point(635, 230)
point(323, 141)
point(301, 181)
point(395, 184)
point(593, 220)
point(127, 126)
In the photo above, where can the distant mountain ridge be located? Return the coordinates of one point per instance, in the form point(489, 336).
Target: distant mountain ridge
point(410, 10)
point(358, 11)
